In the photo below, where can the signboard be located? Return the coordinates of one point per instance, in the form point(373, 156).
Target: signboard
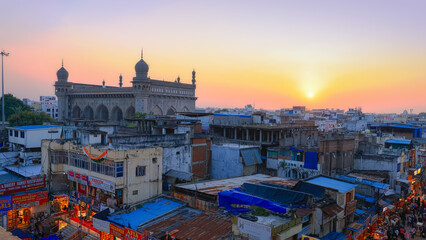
point(24, 185)
point(102, 184)
point(255, 230)
point(130, 234)
point(350, 207)
point(30, 200)
point(116, 231)
point(304, 237)
point(82, 188)
point(101, 225)
point(5, 203)
point(77, 201)
point(77, 177)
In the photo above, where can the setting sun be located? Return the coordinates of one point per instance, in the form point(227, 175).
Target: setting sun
point(310, 94)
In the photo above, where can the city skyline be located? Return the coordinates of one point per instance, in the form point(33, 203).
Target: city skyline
point(273, 55)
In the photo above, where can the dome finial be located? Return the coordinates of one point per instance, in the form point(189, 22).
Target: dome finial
point(62, 62)
point(142, 53)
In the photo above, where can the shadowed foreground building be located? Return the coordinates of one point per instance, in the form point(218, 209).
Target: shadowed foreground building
point(113, 104)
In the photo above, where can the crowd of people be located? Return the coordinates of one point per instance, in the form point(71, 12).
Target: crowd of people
point(407, 220)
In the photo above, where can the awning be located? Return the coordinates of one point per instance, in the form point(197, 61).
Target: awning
point(185, 176)
point(355, 226)
point(251, 156)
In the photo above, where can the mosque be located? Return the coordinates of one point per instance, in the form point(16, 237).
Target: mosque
point(79, 101)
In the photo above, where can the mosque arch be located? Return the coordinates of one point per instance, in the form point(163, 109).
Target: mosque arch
point(116, 114)
point(130, 112)
point(157, 110)
point(185, 109)
point(76, 112)
point(88, 113)
point(101, 113)
point(171, 111)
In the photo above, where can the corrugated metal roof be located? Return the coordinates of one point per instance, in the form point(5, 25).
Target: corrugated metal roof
point(326, 182)
point(366, 182)
point(26, 171)
point(179, 174)
point(251, 156)
point(398, 141)
point(146, 213)
point(332, 209)
point(6, 177)
point(213, 187)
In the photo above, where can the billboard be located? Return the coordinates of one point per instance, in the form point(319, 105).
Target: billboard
point(21, 186)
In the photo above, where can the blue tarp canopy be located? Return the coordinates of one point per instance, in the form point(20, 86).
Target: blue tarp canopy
point(51, 237)
point(310, 188)
point(334, 236)
point(311, 160)
point(279, 195)
point(296, 150)
point(235, 196)
point(251, 156)
point(365, 181)
point(340, 186)
point(367, 199)
point(21, 234)
point(398, 141)
point(359, 212)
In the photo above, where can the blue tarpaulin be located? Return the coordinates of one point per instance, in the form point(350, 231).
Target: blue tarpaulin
point(367, 199)
point(235, 196)
point(310, 188)
point(311, 160)
point(334, 236)
point(51, 237)
point(21, 234)
point(279, 195)
point(295, 149)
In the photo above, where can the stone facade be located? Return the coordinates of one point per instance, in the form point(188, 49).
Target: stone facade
point(113, 104)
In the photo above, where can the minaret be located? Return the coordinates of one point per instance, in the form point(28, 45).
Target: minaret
point(178, 79)
point(121, 81)
point(103, 83)
point(193, 76)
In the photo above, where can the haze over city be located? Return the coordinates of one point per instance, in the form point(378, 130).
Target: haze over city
point(270, 54)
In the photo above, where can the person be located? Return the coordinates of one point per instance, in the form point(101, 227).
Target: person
point(406, 236)
point(413, 232)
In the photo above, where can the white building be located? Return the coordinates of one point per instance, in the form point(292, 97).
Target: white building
point(28, 137)
point(49, 105)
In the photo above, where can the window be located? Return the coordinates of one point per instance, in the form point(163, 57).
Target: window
point(11, 133)
point(154, 160)
point(108, 167)
point(59, 157)
point(80, 161)
point(140, 171)
point(48, 110)
point(135, 192)
point(16, 133)
point(22, 134)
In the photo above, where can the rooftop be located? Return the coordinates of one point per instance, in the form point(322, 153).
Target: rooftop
point(398, 141)
point(331, 183)
point(26, 171)
point(145, 213)
point(213, 187)
point(34, 127)
point(6, 177)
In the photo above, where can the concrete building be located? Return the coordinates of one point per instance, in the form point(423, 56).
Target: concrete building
point(29, 137)
point(233, 160)
point(122, 177)
point(114, 103)
point(49, 105)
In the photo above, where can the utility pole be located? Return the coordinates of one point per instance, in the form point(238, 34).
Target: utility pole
point(3, 53)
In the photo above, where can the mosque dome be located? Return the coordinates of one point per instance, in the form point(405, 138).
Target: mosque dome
point(62, 74)
point(141, 67)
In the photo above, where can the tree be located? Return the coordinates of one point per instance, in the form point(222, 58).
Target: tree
point(139, 115)
point(12, 105)
point(25, 118)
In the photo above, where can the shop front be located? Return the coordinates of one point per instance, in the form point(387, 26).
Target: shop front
point(5, 206)
point(27, 208)
point(60, 204)
point(81, 212)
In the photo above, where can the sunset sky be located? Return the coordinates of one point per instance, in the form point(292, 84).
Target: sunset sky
point(273, 54)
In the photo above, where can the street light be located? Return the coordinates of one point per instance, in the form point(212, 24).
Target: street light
point(3, 53)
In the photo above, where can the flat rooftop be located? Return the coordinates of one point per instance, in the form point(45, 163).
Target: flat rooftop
point(213, 187)
point(147, 212)
point(6, 177)
point(331, 183)
point(34, 127)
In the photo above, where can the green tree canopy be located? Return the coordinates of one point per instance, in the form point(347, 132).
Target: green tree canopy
point(25, 118)
point(139, 115)
point(12, 105)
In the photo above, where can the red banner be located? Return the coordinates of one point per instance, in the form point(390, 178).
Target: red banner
point(132, 234)
point(82, 188)
point(24, 185)
point(29, 200)
point(116, 231)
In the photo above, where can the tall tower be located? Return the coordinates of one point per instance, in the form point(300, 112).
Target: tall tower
point(141, 86)
point(193, 77)
point(62, 86)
